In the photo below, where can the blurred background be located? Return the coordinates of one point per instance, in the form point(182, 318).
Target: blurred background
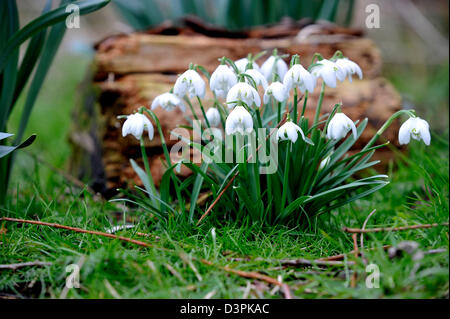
point(412, 37)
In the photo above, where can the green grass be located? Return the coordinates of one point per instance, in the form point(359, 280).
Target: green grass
point(417, 194)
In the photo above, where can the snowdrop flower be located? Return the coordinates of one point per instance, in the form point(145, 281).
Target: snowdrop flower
point(280, 68)
point(238, 121)
point(329, 71)
point(135, 125)
point(416, 128)
point(298, 76)
point(257, 77)
point(289, 131)
point(222, 79)
point(277, 91)
point(349, 68)
point(339, 126)
point(244, 92)
point(213, 117)
point(325, 162)
point(191, 83)
point(241, 64)
point(168, 102)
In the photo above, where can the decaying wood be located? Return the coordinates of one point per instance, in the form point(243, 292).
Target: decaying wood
point(131, 70)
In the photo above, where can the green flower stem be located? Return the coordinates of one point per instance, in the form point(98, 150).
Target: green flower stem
point(386, 125)
point(279, 113)
point(304, 103)
point(161, 135)
point(176, 181)
point(295, 105)
point(149, 173)
point(203, 112)
point(286, 178)
point(319, 104)
point(258, 117)
point(222, 112)
point(192, 108)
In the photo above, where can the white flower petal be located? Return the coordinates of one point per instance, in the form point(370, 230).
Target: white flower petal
point(416, 128)
point(257, 77)
point(213, 117)
point(349, 68)
point(243, 92)
point(168, 102)
point(241, 64)
point(238, 121)
point(404, 134)
point(289, 131)
point(135, 125)
point(189, 83)
point(222, 79)
point(339, 126)
point(277, 90)
point(298, 76)
point(267, 69)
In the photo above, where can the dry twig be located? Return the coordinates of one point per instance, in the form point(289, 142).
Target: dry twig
point(316, 262)
point(356, 254)
point(386, 229)
point(342, 256)
point(80, 230)
point(26, 264)
point(245, 274)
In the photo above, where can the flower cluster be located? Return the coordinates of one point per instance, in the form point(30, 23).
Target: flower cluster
point(311, 157)
point(239, 82)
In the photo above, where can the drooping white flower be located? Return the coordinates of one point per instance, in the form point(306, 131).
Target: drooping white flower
point(222, 79)
point(349, 68)
point(244, 92)
point(189, 83)
point(168, 101)
point(135, 125)
point(416, 128)
point(257, 77)
point(329, 71)
point(238, 121)
point(213, 117)
point(277, 90)
point(339, 126)
point(241, 64)
point(269, 66)
point(325, 162)
point(298, 76)
point(289, 131)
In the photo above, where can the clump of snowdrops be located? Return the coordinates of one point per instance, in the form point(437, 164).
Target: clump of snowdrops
point(279, 166)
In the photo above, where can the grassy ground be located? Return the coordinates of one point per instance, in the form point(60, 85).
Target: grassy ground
point(418, 194)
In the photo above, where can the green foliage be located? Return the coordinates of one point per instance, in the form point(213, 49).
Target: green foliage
point(312, 176)
point(5, 150)
point(232, 14)
point(35, 64)
point(407, 200)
